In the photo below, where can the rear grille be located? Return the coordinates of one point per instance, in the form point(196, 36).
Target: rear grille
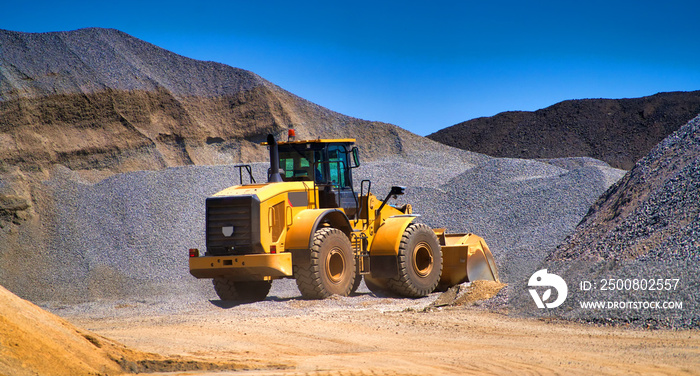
point(238, 213)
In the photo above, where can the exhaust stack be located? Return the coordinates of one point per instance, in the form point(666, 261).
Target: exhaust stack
point(274, 175)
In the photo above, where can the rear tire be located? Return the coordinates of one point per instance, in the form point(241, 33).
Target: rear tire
point(420, 262)
point(331, 269)
point(241, 291)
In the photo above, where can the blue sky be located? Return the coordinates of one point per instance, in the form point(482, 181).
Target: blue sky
point(420, 65)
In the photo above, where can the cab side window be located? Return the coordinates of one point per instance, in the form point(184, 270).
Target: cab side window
point(338, 165)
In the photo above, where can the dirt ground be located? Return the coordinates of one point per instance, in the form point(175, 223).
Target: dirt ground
point(377, 336)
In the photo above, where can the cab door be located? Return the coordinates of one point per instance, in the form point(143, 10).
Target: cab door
point(340, 178)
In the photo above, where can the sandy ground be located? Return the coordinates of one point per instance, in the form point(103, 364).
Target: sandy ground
point(366, 335)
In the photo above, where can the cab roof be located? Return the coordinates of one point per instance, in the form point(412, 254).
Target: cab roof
point(316, 141)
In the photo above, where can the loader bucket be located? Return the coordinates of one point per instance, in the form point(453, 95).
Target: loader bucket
point(465, 258)
point(480, 264)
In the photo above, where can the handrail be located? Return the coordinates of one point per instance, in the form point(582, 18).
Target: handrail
point(240, 172)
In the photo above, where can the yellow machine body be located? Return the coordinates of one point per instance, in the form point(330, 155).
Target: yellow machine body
point(266, 228)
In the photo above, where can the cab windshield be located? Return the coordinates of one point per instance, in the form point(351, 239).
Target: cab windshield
point(322, 163)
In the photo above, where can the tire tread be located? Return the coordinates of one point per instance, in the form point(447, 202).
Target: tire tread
point(402, 284)
point(308, 277)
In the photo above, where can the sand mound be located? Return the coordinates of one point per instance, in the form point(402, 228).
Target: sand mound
point(34, 341)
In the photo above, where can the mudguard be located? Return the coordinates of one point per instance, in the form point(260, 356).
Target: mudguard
point(301, 231)
point(388, 238)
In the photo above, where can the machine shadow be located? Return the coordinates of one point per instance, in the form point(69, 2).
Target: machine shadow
point(228, 304)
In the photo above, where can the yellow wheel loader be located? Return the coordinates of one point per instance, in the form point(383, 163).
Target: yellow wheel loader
point(308, 223)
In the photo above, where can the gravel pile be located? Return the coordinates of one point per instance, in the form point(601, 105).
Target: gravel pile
point(639, 246)
point(94, 59)
point(127, 236)
point(62, 92)
point(523, 208)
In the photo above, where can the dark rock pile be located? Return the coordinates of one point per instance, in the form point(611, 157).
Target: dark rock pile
point(617, 131)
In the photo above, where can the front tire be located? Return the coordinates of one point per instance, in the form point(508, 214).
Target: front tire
point(331, 269)
point(420, 262)
point(379, 287)
point(241, 291)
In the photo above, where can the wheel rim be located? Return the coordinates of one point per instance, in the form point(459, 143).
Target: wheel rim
point(335, 265)
point(422, 259)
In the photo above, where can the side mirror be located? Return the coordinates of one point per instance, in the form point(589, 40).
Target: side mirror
point(355, 157)
point(395, 191)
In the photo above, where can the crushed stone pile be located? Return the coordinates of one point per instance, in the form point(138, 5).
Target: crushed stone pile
point(100, 99)
point(127, 236)
point(95, 59)
point(637, 252)
point(523, 208)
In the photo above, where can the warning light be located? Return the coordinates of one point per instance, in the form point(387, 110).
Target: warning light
point(291, 134)
point(194, 252)
point(273, 249)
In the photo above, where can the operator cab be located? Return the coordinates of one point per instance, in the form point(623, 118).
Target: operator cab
point(327, 163)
